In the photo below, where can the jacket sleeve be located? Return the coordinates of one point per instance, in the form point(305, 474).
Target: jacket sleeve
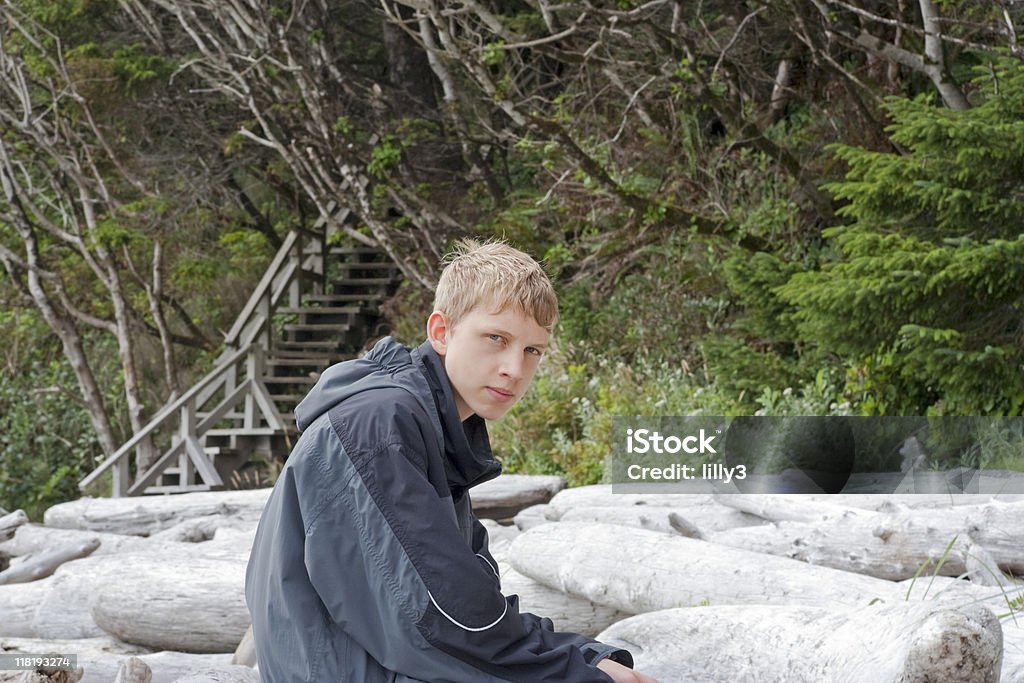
point(593, 651)
point(385, 554)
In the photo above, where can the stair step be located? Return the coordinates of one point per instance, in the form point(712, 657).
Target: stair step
point(356, 281)
point(318, 327)
point(358, 298)
point(306, 380)
point(326, 345)
point(243, 431)
point(351, 251)
point(191, 488)
point(367, 265)
point(296, 354)
point(315, 360)
point(288, 398)
point(321, 310)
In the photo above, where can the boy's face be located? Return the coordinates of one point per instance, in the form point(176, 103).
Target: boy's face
point(490, 358)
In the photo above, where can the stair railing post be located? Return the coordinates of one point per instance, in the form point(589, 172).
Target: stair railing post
point(254, 369)
point(295, 286)
point(120, 476)
point(187, 430)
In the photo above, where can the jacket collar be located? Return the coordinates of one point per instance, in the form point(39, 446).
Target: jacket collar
point(468, 457)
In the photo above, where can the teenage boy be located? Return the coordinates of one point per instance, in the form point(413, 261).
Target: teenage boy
point(368, 565)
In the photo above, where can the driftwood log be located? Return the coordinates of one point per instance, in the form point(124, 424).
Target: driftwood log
point(567, 612)
point(35, 567)
point(147, 515)
point(228, 674)
point(892, 544)
point(19, 604)
point(134, 670)
point(504, 496)
point(101, 658)
point(913, 643)
point(31, 539)
point(10, 522)
point(644, 571)
point(195, 605)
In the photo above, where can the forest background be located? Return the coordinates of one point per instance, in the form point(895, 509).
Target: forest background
point(779, 207)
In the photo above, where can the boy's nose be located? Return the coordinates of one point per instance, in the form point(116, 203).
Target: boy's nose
point(512, 366)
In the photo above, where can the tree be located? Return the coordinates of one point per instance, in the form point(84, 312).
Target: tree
point(926, 293)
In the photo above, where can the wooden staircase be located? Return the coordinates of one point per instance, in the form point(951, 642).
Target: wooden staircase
point(316, 305)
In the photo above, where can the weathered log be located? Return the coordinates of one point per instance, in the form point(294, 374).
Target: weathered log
point(198, 606)
point(10, 522)
point(601, 495)
point(228, 674)
point(504, 496)
point(19, 604)
point(35, 567)
point(245, 653)
point(568, 613)
point(649, 570)
point(200, 529)
point(35, 538)
point(149, 514)
point(101, 658)
point(134, 670)
point(873, 644)
point(534, 515)
point(706, 517)
point(892, 545)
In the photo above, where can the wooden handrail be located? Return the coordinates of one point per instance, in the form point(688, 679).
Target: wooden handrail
point(167, 412)
point(263, 288)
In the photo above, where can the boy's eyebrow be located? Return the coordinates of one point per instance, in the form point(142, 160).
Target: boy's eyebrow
point(506, 333)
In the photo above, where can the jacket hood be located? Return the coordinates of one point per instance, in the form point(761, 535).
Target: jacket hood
point(421, 372)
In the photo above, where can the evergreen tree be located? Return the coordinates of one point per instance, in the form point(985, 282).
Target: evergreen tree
point(924, 299)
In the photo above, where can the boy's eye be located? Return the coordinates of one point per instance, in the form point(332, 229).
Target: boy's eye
point(494, 337)
point(534, 350)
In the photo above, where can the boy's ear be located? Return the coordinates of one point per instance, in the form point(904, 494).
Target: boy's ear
point(437, 332)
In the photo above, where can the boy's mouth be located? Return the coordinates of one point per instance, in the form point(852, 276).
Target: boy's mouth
point(500, 394)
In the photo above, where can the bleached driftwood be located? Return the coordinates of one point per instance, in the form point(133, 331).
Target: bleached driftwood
point(568, 613)
point(706, 517)
point(892, 544)
point(197, 606)
point(61, 606)
point(200, 529)
point(773, 644)
point(101, 658)
point(39, 566)
point(504, 496)
point(602, 495)
point(245, 653)
point(19, 604)
point(35, 538)
point(10, 522)
point(228, 674)
point(144, 516)
point(650, 570)
point(134, 670)
point(534, 515)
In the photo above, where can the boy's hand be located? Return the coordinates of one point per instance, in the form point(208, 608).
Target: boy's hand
point(623, 674)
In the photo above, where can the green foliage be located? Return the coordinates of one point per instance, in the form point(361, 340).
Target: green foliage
point(46, 439)
point(927, 291)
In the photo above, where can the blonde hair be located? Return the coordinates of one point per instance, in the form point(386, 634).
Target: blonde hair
point(498, 276)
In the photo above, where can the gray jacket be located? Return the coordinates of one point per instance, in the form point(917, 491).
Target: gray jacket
point(368, 565)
